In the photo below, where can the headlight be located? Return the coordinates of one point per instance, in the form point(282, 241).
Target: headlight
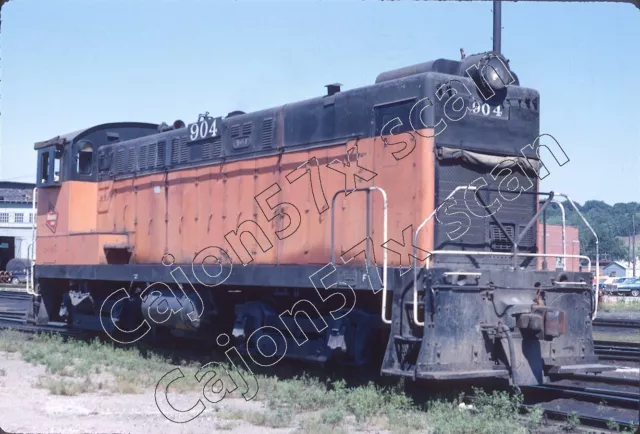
point(496, 73)
point(490, 73)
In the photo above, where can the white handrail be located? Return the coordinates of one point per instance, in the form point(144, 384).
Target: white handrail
point(564, 243)
point(484, 253)
point(595, 310)
point(472, 252)
point(31, 288)
point(385, 233)
point(477, 252)
point(384, 260)
point(415, 244)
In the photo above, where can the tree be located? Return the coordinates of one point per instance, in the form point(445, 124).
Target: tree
point(609, 222)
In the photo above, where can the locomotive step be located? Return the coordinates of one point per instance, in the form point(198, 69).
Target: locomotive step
point(570, 369)
point(407, 338)
point(398, 372)
point(448, 375)
point(462, 375)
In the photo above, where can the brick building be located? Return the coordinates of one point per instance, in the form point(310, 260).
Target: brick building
point(554, 246)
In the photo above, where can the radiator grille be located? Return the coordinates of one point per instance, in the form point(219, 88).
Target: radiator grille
point(482, 231)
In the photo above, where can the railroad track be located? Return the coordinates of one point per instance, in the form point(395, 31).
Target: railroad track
point(8, 323)
point(617, 323)
point(14, 308)
point(598, 401)
point(12, 286)
point(615, 350)
point(14, 305)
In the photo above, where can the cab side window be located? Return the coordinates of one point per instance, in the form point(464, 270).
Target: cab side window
point(50, 166)
point(84, 158)
point(44, 168)
point(57, 164)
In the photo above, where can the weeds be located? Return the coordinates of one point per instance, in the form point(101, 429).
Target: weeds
point(632, 336)
point(65, 387)
point(305, 402)
point(227, 426)
point(613, 425)
point(332, 416)
point(572, 421)
point(71, 365)
point(280, 418)
point(620, 305)
point(491, 414)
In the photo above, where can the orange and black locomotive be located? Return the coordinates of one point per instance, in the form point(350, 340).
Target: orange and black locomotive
point(394, 223)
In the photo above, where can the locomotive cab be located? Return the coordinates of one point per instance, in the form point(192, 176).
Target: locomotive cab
point(66, 190)
point(65, 158)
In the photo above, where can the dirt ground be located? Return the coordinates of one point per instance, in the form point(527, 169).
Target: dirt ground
point(25, 408)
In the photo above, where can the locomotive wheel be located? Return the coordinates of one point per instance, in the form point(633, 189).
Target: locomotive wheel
point(255, 315)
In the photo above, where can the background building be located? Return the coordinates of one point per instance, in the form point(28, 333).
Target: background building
point(554, 246)
point(621, 269)
point(16, 220)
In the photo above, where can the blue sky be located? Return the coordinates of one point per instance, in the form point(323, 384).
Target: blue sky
point(70, 64)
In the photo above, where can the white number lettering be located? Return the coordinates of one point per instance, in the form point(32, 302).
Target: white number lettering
point(202, 130)
point(194, 132)
point(485, 109)
point(204, 127)
point(214, 130)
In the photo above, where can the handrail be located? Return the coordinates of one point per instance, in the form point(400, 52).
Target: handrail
point(384, 236)
point(515, 254)
point(415, 249)
point(484, 253)
point(564, 244)
point(526, 255)
point(29, 271)
point(595, 309)
point(31, 288)
point(533, 221)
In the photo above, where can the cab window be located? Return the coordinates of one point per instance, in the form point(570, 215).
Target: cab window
point(44, 167)
point(50, 166)
point(57, 164)
point(84, 158)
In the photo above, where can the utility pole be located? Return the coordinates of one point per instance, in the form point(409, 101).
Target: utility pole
point(2, 2)
point(633, 223)
point(497, 26)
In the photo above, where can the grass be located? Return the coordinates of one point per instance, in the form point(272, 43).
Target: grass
point(75, 366)
point(304, 403)
point(332, 407)
point(631, 336)
point(620, 305)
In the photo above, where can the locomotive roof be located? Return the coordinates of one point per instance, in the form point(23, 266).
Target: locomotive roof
point(76, 135)
point(129, 149)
